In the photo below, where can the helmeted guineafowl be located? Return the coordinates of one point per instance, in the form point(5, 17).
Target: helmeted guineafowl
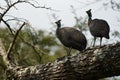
point(98, 28)
point(71, 37)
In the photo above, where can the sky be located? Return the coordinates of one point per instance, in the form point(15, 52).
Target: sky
point(41, 18)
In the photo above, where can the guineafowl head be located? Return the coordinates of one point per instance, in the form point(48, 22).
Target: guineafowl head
point(58, 23)
point(89, 13)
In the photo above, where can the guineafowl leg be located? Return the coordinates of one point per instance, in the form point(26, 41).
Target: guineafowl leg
point(100, 41)
point(94, 41)
point(69, 50)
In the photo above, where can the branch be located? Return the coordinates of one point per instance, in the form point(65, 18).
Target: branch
point(3, 53)
point(9, 7)
point(91, 64)
point(37, 6)
point(8, 26)
point(7, 2)
point(2, 8)
point(37, 51)
point(19, 1)
point(13, 42)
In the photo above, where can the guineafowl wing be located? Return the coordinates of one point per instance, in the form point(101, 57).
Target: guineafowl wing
point(77, 39)
point(99, 28)
point(70, 37)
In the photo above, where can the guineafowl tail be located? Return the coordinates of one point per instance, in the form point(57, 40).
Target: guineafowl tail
point(108, 37)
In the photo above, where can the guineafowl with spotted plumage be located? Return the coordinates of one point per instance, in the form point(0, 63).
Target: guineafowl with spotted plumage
point(98, 27)
point(71, 37)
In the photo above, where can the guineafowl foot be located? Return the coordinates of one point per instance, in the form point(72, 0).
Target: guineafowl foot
point(68, 54)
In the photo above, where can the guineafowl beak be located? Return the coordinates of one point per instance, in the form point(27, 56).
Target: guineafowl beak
point(58, 21)
point(89, 13)
point(88, 10)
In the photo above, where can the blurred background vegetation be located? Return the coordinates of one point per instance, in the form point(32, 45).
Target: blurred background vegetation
point(34, 47)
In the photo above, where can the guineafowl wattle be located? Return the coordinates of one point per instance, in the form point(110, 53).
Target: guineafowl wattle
point(71, 37)
point(98, 27)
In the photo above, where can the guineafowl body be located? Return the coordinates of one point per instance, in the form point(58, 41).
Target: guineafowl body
point(98, 27)
point(71, 37)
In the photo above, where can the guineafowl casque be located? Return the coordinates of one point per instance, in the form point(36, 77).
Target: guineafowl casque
point(71, 37)
point(98, 27)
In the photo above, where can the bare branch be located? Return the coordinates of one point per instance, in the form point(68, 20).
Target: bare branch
point(38, 6)
point(115, 5)
point(8, 26)
point(19, 1)
point(33, 46)
point(3, 53)
point(13, 18)
point(7, 2)
point(10, 6)
point(13, 42)
point(2, 8)
point(37, 51)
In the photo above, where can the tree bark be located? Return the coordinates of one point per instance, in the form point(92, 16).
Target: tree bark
point(91, 64)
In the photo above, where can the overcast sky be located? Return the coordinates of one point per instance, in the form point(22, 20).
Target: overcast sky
point(41, 18)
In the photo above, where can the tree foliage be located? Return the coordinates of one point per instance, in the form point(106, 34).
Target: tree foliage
point(31, 47)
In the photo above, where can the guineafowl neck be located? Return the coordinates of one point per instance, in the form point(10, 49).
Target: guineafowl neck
point(90, 16)
point(58, 25)
point(89, 20)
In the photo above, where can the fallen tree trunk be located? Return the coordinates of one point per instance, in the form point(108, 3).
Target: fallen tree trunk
point(91, 64)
